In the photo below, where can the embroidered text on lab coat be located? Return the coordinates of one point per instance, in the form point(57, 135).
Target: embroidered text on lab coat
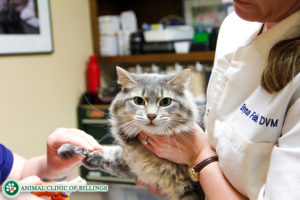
point(257, 118)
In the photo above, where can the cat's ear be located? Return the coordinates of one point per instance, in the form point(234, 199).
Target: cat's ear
point(124, 78)
point(180, 80)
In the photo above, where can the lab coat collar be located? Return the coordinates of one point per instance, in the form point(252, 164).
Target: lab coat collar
point(285, 29)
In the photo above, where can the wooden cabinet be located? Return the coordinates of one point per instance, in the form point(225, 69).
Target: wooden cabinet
point(150, 11)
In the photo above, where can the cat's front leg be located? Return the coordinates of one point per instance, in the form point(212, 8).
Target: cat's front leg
point(109, 159)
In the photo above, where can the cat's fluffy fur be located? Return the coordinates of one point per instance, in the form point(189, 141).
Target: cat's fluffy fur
point(130, 158)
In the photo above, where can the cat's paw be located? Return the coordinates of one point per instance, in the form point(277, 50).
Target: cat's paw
point(66, 151)
point(94, 160)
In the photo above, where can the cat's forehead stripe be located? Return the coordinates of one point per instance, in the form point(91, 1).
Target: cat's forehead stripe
point(152, 93)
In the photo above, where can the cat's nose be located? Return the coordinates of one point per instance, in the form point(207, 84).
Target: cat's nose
point(151, 116)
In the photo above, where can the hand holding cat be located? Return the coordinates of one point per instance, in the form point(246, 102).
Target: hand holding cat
point(72, 136)
point(185, 148)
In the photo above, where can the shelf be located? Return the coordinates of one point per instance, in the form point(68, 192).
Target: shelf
point(207, 56)
point(144, 11)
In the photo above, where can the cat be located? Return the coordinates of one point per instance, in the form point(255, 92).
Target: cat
point(157, 104)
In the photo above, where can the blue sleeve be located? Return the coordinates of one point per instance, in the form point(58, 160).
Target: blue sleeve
point(6, 162)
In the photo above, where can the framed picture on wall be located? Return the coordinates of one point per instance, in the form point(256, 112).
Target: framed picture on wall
point(203, 15)
point(25, 27)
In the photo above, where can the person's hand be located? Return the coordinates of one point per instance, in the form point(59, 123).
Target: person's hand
point(153, 189)
point(72, 136)
point(185, 148)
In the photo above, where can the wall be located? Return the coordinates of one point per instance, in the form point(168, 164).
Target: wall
point(40, 92)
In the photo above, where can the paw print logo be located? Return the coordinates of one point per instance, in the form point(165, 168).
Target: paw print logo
point(11, 188)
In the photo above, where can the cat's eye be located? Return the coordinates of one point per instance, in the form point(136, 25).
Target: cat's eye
point(165, 102)
point(139, 101)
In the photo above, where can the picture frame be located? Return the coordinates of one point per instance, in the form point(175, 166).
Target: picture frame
point(204, 15)
point(25, 27)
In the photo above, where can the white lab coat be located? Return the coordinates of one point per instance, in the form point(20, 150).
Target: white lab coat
point(256, 134)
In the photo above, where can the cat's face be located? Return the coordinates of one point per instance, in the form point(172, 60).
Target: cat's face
point(158, 104)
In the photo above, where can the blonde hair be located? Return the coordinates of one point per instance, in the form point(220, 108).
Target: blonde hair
point(282, 66)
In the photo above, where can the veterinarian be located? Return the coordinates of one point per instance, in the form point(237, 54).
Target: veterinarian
point(49, 166)
point(251, 146)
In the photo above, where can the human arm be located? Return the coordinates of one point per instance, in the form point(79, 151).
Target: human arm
point(51, 166)
point(191, 148)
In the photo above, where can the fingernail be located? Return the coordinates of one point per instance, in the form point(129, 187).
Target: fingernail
point(90, 148)
point(98, 147)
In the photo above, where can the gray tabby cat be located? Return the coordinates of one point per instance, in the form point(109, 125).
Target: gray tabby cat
point(157, 104)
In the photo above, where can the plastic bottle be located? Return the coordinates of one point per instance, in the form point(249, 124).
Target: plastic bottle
point(93, 77)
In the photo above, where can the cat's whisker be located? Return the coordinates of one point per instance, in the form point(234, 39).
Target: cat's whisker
point(87, 100)
point(123, 115)
point(174, 124)
point(181, 121)
point(139, 118)
point(187, 139)
point(169, 143)
point(177, 145)
point(190, 118)
point(102, 126)
point(192, 131)
point(109, 134)
point(125, 128)
point(129, 129)
point(115, 142)
point(125, 124)
point(178, 121)
point(189, 132)
point(125, 120)
point(168, 130)
point(137, 130)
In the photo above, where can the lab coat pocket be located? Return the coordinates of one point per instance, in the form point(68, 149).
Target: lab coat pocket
point(244, 163)
point(244, 145)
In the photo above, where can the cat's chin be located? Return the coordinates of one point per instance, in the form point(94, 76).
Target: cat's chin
point(156, 130)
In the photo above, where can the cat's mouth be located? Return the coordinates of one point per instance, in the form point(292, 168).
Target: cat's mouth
point(151, 124)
